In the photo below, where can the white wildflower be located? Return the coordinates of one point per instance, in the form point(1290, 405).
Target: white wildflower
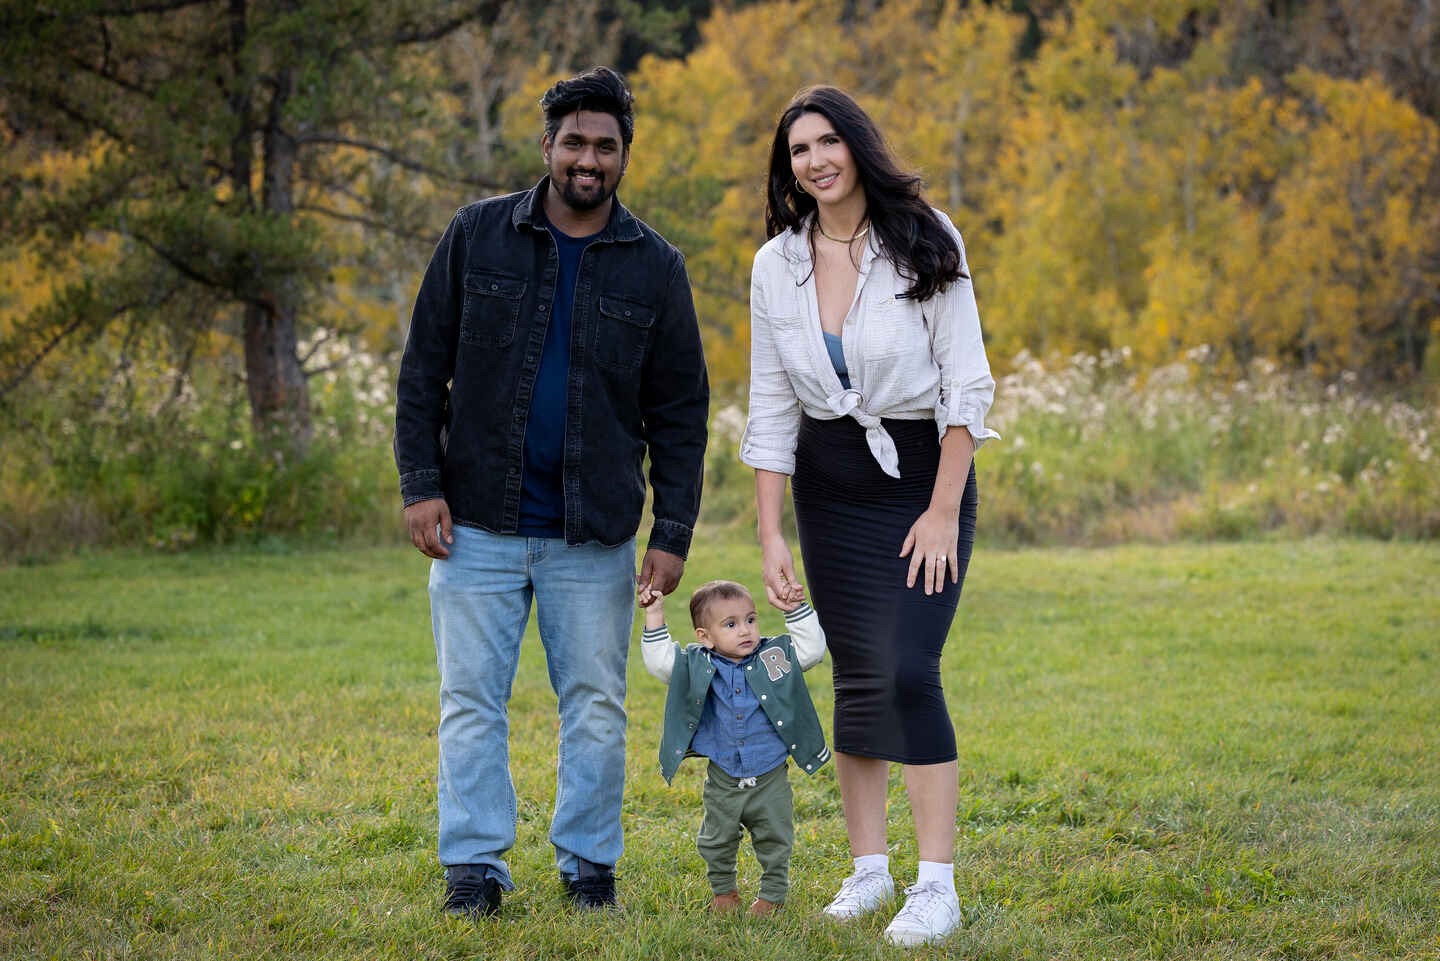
point(729, 423)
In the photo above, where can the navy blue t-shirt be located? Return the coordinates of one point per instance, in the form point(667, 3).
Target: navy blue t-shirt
point(542, 491)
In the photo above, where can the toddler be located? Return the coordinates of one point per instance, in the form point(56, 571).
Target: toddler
point(739, 699)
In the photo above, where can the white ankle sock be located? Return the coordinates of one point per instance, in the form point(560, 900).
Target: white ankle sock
point(933, 872)
point(877, 863)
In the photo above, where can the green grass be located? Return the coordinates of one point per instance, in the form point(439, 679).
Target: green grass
point(1187, 752)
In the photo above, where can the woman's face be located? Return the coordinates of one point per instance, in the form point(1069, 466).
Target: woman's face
point(820, 160)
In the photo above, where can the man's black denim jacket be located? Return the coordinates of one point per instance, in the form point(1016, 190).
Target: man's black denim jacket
point(637, 378)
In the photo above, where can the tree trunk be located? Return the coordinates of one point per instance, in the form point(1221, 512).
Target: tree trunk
point(279, 394)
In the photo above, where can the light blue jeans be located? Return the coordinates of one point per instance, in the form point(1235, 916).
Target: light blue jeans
point(479, 604)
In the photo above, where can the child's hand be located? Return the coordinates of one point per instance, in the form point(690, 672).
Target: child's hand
point(795, 594)
point(654, 604)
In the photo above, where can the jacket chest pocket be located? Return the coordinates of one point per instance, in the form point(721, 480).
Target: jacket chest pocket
point(622, 333)
point(790, 337)
point(892, 328)
point(491, 310)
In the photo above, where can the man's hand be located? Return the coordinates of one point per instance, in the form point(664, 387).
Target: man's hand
point(660, 573)
point(422, 519)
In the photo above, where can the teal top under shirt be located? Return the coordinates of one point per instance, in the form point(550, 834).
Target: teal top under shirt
point(835, 347)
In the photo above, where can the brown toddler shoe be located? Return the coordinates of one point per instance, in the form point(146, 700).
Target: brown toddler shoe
point(723, 903)
point(760, 908)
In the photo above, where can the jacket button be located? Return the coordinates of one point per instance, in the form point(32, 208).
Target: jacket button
point(627, 313)
point(763, 696)
point(792, 747)
point(494, 286)
point(779, 723)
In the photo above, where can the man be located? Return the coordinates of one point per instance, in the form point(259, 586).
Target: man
point(553, 344)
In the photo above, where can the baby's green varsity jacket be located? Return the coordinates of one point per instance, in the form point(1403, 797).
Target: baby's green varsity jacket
point(774, 675)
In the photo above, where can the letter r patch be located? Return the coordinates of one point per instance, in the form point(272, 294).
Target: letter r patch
point(777, 665)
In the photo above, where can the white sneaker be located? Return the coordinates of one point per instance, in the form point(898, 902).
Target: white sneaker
point(860, 894)
point(930, 913)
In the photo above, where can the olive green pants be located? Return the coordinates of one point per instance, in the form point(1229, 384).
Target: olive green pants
point(766, 810)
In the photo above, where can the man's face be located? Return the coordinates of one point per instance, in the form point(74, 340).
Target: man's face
point(586, 158)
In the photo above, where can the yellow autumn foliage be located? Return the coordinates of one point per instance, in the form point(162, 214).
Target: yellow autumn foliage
point(1159, 206)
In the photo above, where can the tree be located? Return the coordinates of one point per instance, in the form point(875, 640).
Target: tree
point(1358, 233)
point(226, 139)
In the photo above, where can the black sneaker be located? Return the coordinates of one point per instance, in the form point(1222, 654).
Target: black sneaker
point(470, 891)
point(594, 888)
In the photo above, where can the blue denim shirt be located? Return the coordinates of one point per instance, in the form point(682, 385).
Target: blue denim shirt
point(636, 385)
point(733, 731)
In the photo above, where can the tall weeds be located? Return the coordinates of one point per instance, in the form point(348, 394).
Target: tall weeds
point(1093, 451)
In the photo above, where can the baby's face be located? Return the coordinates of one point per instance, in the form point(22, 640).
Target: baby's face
point(732, 630)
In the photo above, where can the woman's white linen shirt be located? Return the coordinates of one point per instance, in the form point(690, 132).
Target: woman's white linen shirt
point(906, 360)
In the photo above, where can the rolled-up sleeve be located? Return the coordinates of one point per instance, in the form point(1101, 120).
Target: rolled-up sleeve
point(769, 439)
point(966, 387)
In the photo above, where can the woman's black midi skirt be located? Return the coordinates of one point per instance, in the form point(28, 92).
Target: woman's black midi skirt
point(885, 639)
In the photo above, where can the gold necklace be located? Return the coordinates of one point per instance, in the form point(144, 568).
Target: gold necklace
point(840, 240)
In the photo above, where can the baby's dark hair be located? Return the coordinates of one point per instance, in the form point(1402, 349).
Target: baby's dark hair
point(713, 591)
point(600, 89)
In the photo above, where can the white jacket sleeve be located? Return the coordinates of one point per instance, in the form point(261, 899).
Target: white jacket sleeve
point(659, 652)
point(806, 635)
point(966, 387)
point(774, 422)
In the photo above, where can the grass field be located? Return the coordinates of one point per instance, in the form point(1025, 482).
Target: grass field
point(1187, 752)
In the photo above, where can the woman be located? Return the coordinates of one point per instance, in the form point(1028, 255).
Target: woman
point(864, 340)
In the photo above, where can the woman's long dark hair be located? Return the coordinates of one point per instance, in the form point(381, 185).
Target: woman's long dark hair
point(919, 246)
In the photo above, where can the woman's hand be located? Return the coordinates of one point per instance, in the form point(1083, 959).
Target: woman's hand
point(782, 587)
point(931, 545)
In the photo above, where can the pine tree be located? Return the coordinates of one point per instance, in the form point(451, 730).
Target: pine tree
point(225, 138)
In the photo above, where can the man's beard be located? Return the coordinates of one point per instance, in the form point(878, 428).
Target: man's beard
point(576, 199)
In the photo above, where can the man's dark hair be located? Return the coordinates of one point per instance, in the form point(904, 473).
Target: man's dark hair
point(600, 89)
point(712, 591)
